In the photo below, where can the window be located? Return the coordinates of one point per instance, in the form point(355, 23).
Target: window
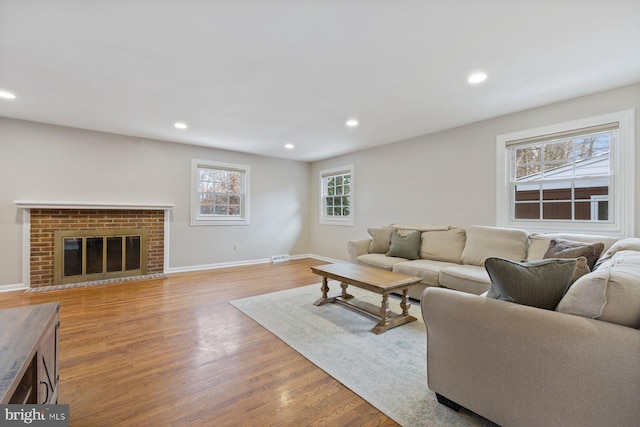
point(575, 176)
point(336, 190)
point(220, 194)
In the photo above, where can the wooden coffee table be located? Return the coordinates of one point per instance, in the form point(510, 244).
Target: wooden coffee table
point(372, 279)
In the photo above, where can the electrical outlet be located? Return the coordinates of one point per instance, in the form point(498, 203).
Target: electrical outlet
point(236, 247)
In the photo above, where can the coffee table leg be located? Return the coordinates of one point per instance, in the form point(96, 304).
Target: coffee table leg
point(325, 291)
point(385, 311)
point(405, 304)
point(344, 287)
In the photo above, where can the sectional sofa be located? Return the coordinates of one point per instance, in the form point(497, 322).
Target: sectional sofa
point(520, 365)
point(452, 257)
point(575, 362)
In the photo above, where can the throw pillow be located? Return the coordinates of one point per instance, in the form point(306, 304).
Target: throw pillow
point(381, 239)
point(559, 248)
point(540, 283)
point(405, 246)
point(582, 268)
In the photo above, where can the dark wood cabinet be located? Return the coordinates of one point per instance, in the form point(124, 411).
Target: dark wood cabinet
point(29, 360)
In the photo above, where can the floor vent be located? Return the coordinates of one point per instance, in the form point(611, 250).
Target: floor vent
point(279, 258)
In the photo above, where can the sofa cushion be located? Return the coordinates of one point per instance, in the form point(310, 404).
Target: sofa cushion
point(405, 246)
point(484, 242)
point(381, 239)
point(428, 270)
point(611, 293)
point(559, 248)
point(378, 260)
point(626, 244)
point(539, 283)
point(472, 279)
point(444, 246)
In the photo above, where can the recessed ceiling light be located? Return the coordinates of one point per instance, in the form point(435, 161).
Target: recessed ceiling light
point(352, 123)
point(288, 146)
point(477, 77)
point(6, 95)
point(180, 125)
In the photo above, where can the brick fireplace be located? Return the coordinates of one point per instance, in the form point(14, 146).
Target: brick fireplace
point(44, 222)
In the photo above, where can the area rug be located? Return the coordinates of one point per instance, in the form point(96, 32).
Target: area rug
point(387, 370)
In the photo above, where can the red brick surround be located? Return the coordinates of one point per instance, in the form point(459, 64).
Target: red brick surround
point(44, 222)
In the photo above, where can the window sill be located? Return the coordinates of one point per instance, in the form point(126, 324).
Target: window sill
point(208, 222)
point(341, 222)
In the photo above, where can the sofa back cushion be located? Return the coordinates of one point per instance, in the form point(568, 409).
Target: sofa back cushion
point(484, 242)
point(611, 293)
point(626, 244)
point(444, 246)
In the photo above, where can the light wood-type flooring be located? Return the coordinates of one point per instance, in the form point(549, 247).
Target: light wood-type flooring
point(174, 352)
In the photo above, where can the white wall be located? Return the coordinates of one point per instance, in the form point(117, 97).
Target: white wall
point(446, 177)
point(442, 178)
point(52, 163)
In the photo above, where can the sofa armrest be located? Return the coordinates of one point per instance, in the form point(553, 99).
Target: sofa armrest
point(520, 366)
point(357, 248)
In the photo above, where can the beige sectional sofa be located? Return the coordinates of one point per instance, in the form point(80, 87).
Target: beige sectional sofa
point(518, 365)
point(577, 364)
point(453, 257)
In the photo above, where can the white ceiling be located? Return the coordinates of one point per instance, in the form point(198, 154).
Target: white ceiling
point(251, 76)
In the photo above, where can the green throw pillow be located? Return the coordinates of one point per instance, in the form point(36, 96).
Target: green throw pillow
point(405, 246)
point(540, 283)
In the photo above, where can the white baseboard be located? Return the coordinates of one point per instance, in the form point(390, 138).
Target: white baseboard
point(326, 259)
point(246, 262)
point(16, 287)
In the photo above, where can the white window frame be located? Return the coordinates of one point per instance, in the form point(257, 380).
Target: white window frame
point(196, 218)
point(622, 157)
point(334, 220)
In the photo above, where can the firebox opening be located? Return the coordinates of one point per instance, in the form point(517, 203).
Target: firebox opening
point(89, 255)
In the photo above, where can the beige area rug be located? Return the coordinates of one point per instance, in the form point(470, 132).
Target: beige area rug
point(387, 370)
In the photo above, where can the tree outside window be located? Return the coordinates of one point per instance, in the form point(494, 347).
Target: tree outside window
point(574, 176)
point(220, 194)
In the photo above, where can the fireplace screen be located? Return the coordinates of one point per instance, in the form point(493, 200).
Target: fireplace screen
point(88, 255)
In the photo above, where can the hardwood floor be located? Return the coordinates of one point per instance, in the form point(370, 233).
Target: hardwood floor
point(174, 352)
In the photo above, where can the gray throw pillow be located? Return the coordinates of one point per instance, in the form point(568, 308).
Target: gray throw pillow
point(559, 248)
point(540, 283)
point(405, 246)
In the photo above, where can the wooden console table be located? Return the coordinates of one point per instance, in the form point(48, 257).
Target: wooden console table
point(29, 354)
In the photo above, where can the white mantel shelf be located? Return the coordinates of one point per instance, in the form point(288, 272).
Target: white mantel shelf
point(28, 204)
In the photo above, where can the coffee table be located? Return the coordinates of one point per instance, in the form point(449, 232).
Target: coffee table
point(372, 279)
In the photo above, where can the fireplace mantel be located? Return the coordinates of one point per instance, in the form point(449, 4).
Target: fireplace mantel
point(24, 204)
